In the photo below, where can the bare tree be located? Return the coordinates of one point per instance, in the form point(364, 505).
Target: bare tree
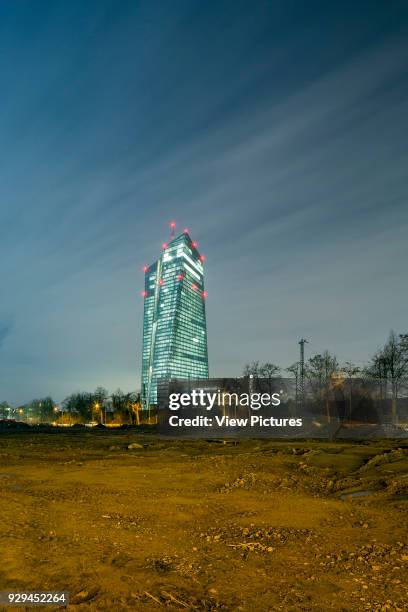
point(377, 370)
point(134, 406)
point(390, 365)
point(319, 371)
point(100, 397)
point(127, 405)
point(269, 370)
point(294, 369)
point(80, 404)
point(251, 369)
point(350, 370)
point(118, 402)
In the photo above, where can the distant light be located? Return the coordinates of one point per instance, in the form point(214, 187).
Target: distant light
point(172, 224)
point(164, 246)
point(202, 257)
point(161, 282)
point(195, 244)
point(144, 293)
point(185, 230)
point(204, 294)
point(145, 268)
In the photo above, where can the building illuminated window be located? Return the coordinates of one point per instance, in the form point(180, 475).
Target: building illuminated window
point(174, 323)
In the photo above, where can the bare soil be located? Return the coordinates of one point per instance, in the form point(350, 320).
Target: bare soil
point(204, 525)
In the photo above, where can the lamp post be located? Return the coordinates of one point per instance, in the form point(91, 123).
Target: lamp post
point(96, 406)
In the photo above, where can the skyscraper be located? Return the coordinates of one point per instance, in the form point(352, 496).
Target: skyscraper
point(174, 325)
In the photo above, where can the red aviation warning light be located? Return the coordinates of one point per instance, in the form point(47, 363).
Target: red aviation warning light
point(180, 277)
point(204, 294)
point(144, 294)
point(172, 226)
point(161, 282)
point(145, 268)
point(202, 258)
point(195, 244)
point(194, 287)
point(164, 246)
point(185, 230)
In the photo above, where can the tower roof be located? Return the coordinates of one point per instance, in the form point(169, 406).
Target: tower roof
point(186, 238)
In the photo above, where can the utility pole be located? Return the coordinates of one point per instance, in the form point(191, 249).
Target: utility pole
point(302, 343)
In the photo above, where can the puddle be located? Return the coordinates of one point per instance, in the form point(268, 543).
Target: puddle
point(355, 494)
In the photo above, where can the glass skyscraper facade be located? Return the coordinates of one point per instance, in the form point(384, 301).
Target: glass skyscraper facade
point(174, 324)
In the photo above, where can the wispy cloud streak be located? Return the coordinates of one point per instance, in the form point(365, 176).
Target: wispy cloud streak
point(285, 153)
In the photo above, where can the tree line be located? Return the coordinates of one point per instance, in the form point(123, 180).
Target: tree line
point(388, 367)
point(98, 406)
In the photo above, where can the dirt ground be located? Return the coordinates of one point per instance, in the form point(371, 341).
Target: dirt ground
point(204, 525)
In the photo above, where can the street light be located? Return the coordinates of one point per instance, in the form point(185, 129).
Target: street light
point(97, 407)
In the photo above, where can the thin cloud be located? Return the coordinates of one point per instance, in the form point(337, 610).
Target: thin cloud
point(289, 169)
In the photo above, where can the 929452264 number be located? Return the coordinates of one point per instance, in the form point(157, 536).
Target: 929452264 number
point(33, 598)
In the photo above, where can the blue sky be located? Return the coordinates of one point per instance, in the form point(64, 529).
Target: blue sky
point(276, 131)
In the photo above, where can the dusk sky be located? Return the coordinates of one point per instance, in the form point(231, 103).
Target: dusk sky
point(276, 131)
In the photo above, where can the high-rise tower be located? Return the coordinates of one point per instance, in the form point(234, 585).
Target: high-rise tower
point(174, 325)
